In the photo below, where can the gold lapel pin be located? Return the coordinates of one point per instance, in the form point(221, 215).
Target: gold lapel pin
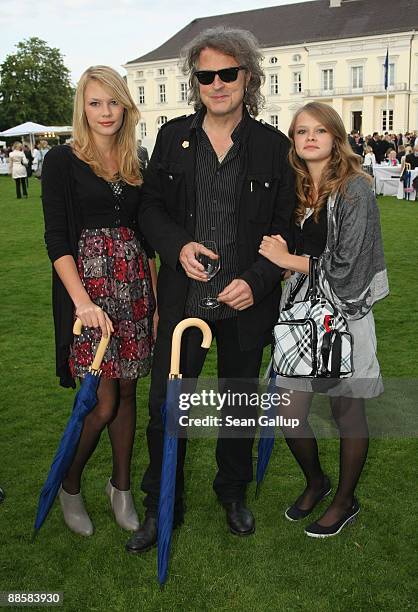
point(185, 144)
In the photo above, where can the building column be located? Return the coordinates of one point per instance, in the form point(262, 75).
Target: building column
point(400, 111)
point(413, 113)
point(337, 104)
point(368, 119)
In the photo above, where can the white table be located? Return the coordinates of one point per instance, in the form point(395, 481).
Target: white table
point(387, 179)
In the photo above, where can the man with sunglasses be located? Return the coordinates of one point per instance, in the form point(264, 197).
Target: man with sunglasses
point(220, 176)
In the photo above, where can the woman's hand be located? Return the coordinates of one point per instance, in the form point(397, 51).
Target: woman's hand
point(92, 315)
point(274, 248)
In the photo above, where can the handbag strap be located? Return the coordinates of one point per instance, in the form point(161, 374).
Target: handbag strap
point(313, 278)
point(332, 343)
point(312, 290)
point(295, 291)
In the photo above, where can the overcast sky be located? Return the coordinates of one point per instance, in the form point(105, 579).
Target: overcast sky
point(108, 32)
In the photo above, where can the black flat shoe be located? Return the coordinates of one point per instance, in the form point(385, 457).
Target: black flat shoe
point(2, 495)
point(293, 513)
point(145, 538)
point(318, 531)
point(239, 518)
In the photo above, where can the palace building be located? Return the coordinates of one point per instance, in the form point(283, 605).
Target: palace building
point(328, 50)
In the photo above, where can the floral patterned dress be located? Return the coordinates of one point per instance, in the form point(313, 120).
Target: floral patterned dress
point(114, 270)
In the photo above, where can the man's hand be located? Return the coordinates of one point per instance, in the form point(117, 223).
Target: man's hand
point(190, 264)
point(237, 295)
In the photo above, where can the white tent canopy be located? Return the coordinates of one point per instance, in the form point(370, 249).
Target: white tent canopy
point(60, 129)
point(25, 128)
point(31, 129)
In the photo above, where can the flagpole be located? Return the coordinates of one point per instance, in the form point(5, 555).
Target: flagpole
point(387, 88)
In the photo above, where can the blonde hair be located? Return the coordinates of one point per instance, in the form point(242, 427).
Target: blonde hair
point(17, 145)
point(343, 165)
point(84, 145)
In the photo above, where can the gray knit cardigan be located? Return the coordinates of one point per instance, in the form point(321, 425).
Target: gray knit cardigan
point(351, 270)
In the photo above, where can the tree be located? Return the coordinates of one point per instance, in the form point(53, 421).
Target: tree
point(35, 86)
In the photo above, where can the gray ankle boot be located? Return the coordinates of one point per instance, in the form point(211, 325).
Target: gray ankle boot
point(123, 507)
point(75, 515)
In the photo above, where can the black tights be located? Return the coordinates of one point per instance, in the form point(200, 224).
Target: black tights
point(350, 418)
point(116, 408)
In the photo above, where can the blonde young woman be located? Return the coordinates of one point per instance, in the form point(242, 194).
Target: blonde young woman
point(369, 160)
point(337, 221)
point(17, 169)
point(407, 151)
point(104, 274)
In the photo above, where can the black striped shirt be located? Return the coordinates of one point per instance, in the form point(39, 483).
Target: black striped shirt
point(215, 184)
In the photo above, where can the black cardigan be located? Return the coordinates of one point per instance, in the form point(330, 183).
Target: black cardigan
point(63, 220)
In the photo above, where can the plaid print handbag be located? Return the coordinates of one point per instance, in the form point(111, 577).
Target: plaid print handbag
point(311, 337)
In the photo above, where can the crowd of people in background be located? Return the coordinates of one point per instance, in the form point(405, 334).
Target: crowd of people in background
point(22, 162)
point(389, 149)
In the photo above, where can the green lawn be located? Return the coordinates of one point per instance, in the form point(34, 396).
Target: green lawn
point(370, 566)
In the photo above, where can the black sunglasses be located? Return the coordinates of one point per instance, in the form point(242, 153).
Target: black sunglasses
point(227, 75)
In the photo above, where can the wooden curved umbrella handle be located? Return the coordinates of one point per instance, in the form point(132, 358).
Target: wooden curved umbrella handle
point(101, 349)
point(176, 341)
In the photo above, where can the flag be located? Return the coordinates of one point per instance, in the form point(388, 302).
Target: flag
point(386, 65)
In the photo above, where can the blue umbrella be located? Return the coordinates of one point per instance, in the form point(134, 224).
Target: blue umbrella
point(266, 440)
point(84, 403)
point(170, 413)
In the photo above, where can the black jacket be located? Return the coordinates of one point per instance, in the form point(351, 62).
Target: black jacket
point(379, 149)
point(413, 160)
point(265, 201)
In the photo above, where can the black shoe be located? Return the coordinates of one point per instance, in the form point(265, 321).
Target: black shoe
point(2, 495)
point(239, 518)
point(296, 514)
point(318, 531)
point(145, 538)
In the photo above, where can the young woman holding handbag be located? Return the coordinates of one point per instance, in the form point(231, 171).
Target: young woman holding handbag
point(337, 221)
